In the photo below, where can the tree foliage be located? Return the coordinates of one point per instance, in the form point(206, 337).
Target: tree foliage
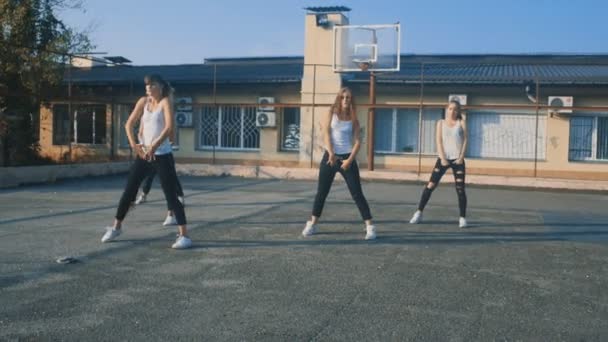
point(34, 48)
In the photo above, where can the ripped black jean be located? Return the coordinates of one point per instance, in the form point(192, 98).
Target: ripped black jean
point(459, 171)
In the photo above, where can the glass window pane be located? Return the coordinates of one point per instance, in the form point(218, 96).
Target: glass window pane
point(429, 127)
point(100, 124)
point(61, 124)
point(231, 127)
point(251, 133)
point(290, 129)
point(581, 134)
point(506, 135)
point(383, 132)
point(209, 126)
point(602, 138)
point(407, 131)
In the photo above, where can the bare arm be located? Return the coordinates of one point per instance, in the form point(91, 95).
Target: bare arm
point(356, 140)
point(465, 141)
point(439, 142)
point(326, 128)
point(134, 117)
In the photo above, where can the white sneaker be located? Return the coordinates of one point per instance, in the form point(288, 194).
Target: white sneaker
point(417, 218)
point(170, 221)
point(370, 232)
point(182, 242)
point(110, 234)
point(310, 229)
point(183, 200)
point(141, 199)
point(462, 222)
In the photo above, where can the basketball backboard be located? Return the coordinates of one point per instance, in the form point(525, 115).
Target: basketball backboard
point(367, 48)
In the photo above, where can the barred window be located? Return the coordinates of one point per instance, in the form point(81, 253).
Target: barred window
point(229, 128)
point(290, 129)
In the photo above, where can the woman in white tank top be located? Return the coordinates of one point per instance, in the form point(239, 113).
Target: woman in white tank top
point(155, 113)
point(451, 139)
point(341, 137)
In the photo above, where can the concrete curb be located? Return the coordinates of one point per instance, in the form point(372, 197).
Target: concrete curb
point(15, 176)
point(269, 172)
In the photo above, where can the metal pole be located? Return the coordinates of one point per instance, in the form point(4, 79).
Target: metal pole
point(312, 131)
point(420, 131)
point(214, 108)
point(70, 114)
point(536, 132)
point(370, 121)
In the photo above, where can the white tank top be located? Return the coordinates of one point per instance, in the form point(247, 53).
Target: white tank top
point(452, 138)
point(154, 124)
point(341, 135)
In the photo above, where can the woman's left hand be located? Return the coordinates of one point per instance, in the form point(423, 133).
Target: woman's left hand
point(150, 153)
point(346, 164)
point(459, 161)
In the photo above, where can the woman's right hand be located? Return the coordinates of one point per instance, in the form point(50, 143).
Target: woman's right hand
point(332, 159)
point(139, 150)
point(445, 162)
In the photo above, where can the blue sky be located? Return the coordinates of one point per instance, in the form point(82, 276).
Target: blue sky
point(188, 31)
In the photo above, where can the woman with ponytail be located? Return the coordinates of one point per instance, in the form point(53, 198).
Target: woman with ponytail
point(155, 112)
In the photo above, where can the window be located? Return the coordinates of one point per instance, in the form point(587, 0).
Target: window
point(510, 135)
point(229, 128)
point(396, 130)
point(588, 138)
point(61, 124)
point(290, 129)
point(89, 125)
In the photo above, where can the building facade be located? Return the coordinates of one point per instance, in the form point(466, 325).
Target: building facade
point(219, 116)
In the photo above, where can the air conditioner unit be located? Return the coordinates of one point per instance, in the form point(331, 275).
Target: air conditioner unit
point(183, 104)
point(561, 101)
point(264, 101)
point(462, 99)
point(265, 119)
point(183, 119)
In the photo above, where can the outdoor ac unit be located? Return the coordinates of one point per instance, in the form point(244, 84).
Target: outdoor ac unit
point(183, 119)
point(561, 101)
point(264, 103)
point(183, 104)
point(462, 99)
point(265, 119)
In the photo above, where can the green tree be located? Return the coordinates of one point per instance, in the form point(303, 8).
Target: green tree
point(34, 48)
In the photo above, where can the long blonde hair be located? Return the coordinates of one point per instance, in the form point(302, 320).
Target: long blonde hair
point(337, 106)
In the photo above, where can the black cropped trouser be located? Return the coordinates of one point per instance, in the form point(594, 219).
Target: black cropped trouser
point(165, 167)
point(327, 173)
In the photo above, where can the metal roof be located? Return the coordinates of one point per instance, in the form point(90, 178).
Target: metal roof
point(474, 69)
point(490, 74)
point(223, 71)
point(327, 9)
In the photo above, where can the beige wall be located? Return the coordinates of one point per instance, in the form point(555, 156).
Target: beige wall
point(319, 85)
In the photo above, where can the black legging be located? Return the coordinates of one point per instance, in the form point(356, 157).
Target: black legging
point(165, 167)
point(327, 173)
point(150, 179)
point(439, 170)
